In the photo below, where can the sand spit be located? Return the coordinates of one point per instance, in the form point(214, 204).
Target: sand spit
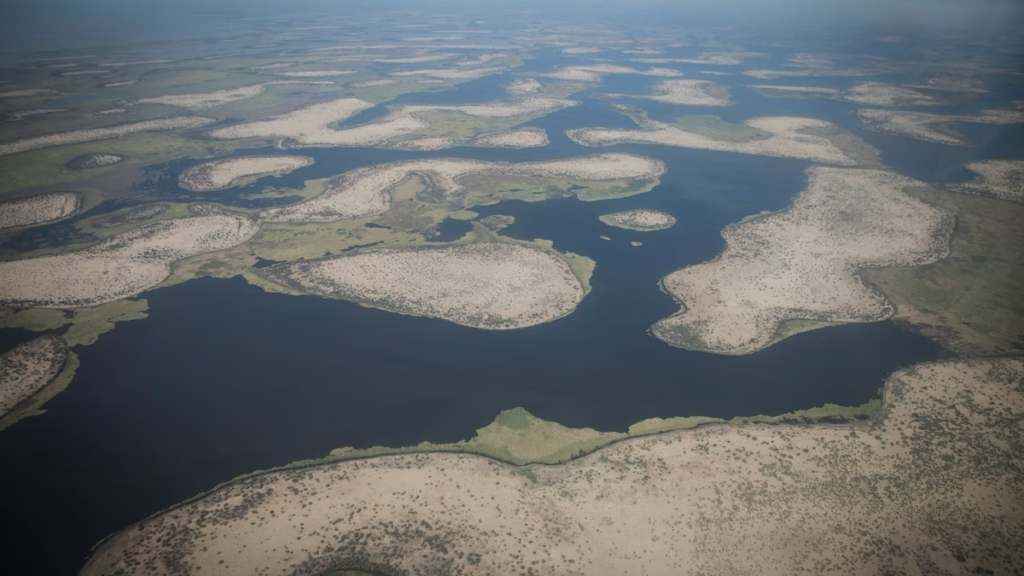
point(305, 127)
point(39, 209)
point(640, 220)
point(19, 115)
point(107, 112)
point(124, 83)
point(222, 174)
point(785, 138)
point(523, 86)
point(486, 285)
point(418, 59)
point(962, 84)
point(882, 94)
point(811, 90)
point(131, 216)
point(314, 73)
point(931, 487)
point(689, 92)
point(1002, 179)
point(28, 368)
point(802, 262)
point(710, 58)
point(446, 74)
point(483, 59)
point(133, 63)
point(275, 66)
point(24, 93)
point(93, 134)
point(123, 265)
point(526, 138)
point(813, 72)
point(372, 83)
point(206, 100)
point(366, 191)
point(931, 127)
point(85, 72)
point(581, 50)
point(595, 72)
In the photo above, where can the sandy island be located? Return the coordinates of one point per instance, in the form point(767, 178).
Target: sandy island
point(931, 127)
point(690, 92)
point(1002, 179)
point(931, 486)
point(486, 285)
point(523, 86)
point(802, 262)
point(123, 265)
point(595, 72)
point(709, 58)
point(525, 138)
point(28, 368)
point(221, 174)
point(640, 220)
point(39, 209)
point(208, 100)
point(94, 160)
point(93, 134)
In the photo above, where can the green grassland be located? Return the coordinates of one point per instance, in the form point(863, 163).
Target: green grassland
point(85, 325)
point(971, 302)
point(715, 127)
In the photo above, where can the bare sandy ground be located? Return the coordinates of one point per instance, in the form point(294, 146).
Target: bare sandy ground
point(122, 83)
point(28, 92)
point(107, 112)
point(133, 63)
point(92, 134)
point(221, 174)
point(812, 90)
point(123, 265)
point(810, 72)
point(931, 127)
point(932, 487)
point(450, 74)
point(485, 285)
point(642, 220)
point(710, 58)
point(882, 94)
point(785, 138)
point(310, 126)
point(689, 92)
point(366, 191)
point(1002, 179)
point(525, 138)
point(28, 368)
point(523, 86)
point(595, 72)
point(963, 84)
point(314, 73)
point(274, 66)
point(208, 100)
point(581, 50)
point(39, 209)
point(20, 115)
point(85, 72)
point(802, 262)
point(418, 59)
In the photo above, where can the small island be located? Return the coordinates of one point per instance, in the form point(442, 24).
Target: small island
point(640, 220)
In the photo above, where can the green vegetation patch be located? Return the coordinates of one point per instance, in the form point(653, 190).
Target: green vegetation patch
point(715, 127)
point(86, 324)
point(854, 147)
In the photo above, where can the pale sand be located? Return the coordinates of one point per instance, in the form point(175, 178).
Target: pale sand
point(306, 127)
point(483, 59)
point(689, 92)
point(710, 58)
point(1002, 179)
point(798, 89)
point(525, 138)
point(95, 160)
point(595, 72)
point(28, 368)
point(802, 262)
point(581, 50)
point(954, 84)
point(814, 72)
point(92, 134)
point(446, 74)
point(124, 83)
point(85, 72)
point(372, 83)
point(314, 73)
point(785, 139)
point(39, 209)
point(487, 285)
point(417, 59)
point(133, 63)
point(19, 115)
point(23, 93)
point(366, 191)
point(221, 174)
point(714, 73)
point(123, 265)
point(641, 220)
point(108, 112)
point(274, 66)
point(932, 487)
point(931, 127)
point(882, 94)
point(523, 86)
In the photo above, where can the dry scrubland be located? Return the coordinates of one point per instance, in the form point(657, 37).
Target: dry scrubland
point(525, 138)
point(932, 486)
point(641, 220)
point(208, 100)
point(871, 93)
point(39, 209)
point(28, 368)
point(222, 174)
point(93, 134)
point(1002, 179)
point(689, 92)
point(595, 72)
point(310, 126)
point(802, 263)
point(785, 137)
point(366, 191)
point(523, 86)
point(931, 127)
point(487, 285)
point(94, 160)
point(123, 265)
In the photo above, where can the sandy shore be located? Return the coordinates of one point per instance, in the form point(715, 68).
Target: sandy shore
point(123, 265)
point(122, 83)
point(595, 72)
point(366, 191)
point(525, 138)
point(932, 487)
point(811, 90)
point(309, 125)
point(640, 220)
point(802, 262)
point(221, 174)
point(28, 92)
point(487, 285)
point(931, 127)
point(709, 58)
point(314, 73)
point(523, 86)
point(1002, 179)
point(786, 138)
point(28, 368)
point(689, 92)
point(92, 134)
point(450, 74)
point(39, 209)
point(882, 94)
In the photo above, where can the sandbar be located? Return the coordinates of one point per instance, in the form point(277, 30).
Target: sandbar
point(221, 174)
point(642, 220)
point(93, 134)
point(39, 209)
